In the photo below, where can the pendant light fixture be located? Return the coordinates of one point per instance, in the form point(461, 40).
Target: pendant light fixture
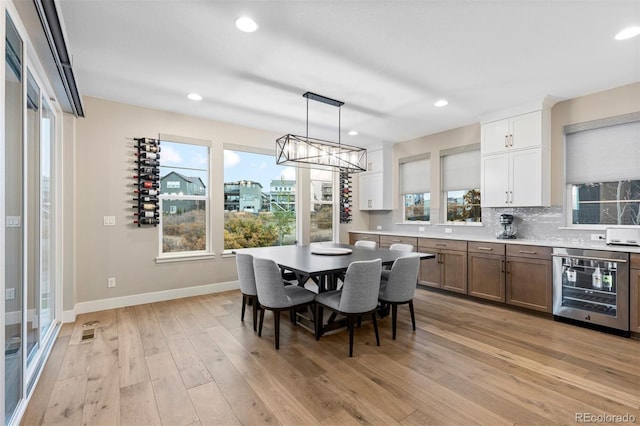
point(317, 153)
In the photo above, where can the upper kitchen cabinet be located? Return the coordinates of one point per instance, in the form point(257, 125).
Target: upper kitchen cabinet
point(375, 183)
point(516, 160)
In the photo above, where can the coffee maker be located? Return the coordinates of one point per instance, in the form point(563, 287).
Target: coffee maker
point(508, 228)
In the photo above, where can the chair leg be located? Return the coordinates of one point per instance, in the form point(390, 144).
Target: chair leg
point(413, 315)
point(244, 304)
point(261, 321)
point(318, 321)
point(254, 307)
point(375, 327)
point(292, 314)
point(394, 318)
point(350, 325)
point(276, 320)
point(359, 321)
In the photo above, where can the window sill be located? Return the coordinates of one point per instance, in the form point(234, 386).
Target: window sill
point(477, 224)
point(413, 222)
point(185, 257)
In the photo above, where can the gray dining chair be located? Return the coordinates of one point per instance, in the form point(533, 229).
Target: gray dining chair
point(358, 297)
point(400, 288)
point(247, 280)
point(365, 243)
point(396, 246)
point(274, 296)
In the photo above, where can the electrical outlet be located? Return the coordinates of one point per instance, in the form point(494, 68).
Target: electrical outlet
point(111, 282)
point(420, 228)
point(379, 228)
point(448, 230)
point(597, 237)
point(9, 293)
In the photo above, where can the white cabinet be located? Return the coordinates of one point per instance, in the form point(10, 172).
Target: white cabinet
point(516, 159)
point(375, 183)
point(515, 179)
point(518, 132)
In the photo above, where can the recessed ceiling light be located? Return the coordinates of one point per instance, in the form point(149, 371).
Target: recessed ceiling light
point(628, 33)
point(441, 103)
point(246, 24)
point(194, 97)
point(353, 133)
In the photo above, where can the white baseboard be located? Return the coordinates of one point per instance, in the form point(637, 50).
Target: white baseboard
point(139, 299)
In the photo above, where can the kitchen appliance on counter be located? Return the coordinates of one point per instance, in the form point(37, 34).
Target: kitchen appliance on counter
point(592, 286)
point(622, 236)
point(507, 227)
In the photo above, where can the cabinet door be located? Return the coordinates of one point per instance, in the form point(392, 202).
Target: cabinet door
point(526, 130)
point(375, 160)
point(495, 180)
point(495, 137)
point(529, 283)
point(365, 201)
point(454, 270)
point(430, 271)
point(634, 294)
point(487, 276)
point(377, 191)
point(526, 178)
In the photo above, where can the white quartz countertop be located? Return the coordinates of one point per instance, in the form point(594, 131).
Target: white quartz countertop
point(578, 243)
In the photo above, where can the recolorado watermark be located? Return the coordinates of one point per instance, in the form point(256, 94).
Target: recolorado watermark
point(605, 418)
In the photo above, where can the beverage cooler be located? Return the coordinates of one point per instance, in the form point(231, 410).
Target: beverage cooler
point(592, 286)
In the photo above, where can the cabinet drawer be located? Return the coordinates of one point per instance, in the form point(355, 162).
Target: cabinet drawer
point(635, 261)
point(356, 236)
point(534, 252)
point(387, 240)
point(434, 243)
point(487, 248)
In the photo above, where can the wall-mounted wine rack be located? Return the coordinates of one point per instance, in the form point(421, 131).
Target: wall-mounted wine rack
point(346, 197)
point(147, 182)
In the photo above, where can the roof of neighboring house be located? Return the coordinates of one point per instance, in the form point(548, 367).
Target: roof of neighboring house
point(190, 179)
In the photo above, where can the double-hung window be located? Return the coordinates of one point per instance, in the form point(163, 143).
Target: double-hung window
point(603, 172)
point(415, 187)
point(184, 197)
point(461, 184)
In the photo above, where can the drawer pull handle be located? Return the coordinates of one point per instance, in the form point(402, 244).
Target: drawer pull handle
point(396, 241)
point(528, 252)
point(485, 248)
point(441, 244)
point(502, 266)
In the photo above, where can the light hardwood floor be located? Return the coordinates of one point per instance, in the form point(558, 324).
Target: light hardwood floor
point(191, 361)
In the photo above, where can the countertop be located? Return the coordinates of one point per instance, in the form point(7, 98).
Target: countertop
point(553, 242)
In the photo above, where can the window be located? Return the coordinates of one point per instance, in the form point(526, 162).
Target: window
point(322, 205)
point(259, 201)
point(183, 226)
point(415, 187)
point(603, 172)
point(461, 184)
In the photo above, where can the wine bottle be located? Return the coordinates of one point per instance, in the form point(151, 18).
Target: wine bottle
point(148, 162)
point(150, 185)
point(146, 177)
point(147, 221)
point(147, 191)
point(148, 170)
point(147, 214)
point(149, 141)
point(150, 148)
point(146, 199)
point(148, 155)
point(146, 206)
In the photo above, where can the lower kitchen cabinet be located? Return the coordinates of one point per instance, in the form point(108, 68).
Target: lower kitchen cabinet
point(486, 267)
point(448, 270)
point(357, 236)
point(529, 277)
point(634, 293)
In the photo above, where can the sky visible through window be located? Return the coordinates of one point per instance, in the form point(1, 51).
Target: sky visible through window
point(260, 168)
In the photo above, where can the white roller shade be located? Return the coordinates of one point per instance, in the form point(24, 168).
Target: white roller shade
point(415, 176)
point(606, 154)
point(461, 170)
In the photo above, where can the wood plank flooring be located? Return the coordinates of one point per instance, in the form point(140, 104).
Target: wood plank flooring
point(193, 362)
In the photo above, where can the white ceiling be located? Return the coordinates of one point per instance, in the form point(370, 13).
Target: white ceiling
point(389, 61)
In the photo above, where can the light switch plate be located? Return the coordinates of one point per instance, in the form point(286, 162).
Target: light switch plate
point(109, 220)
point(420, 228)
point(448, 230)
point(9, 293)
point(379, 228)
point(13, 221)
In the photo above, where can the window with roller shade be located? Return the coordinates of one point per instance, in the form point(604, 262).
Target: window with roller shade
point(603, 172)
point(415, 187)
point(461, 184)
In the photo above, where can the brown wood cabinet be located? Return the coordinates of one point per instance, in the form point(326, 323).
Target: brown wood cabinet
point(387, 240)
point(634, 293)
point(357, 236)
point(448, 270)
point(486, 268)
point(529, 277)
